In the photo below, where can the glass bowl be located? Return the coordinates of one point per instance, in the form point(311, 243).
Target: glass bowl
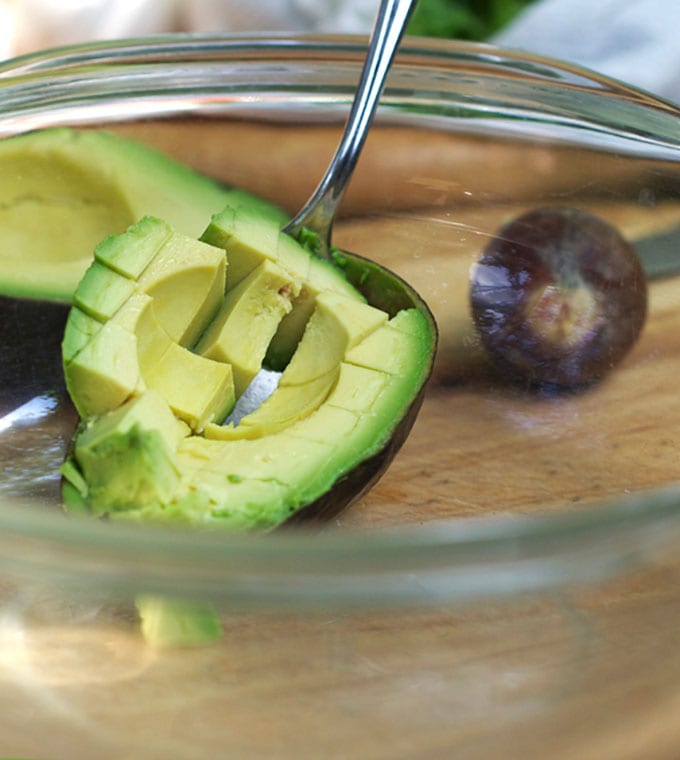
point(511, 584)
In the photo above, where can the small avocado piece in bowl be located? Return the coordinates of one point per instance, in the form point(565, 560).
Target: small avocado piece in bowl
point(157, 353)
point(106, 183)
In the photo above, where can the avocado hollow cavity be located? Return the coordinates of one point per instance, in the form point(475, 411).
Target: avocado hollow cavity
point(83, 185)
point(158, 349)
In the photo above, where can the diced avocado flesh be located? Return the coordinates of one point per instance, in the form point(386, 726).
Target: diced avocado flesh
point(104, 373)
point(249, 240)
point(337, 324)
point(182, 269)
point(352, 375)
point(83, 185)
point(248, 320)
point(141, 342)
point(128, 455)
point(286, 405)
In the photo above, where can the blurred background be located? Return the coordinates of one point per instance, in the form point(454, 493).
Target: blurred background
point(632, 40)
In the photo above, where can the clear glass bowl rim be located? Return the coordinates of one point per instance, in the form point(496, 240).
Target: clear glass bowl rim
point(459, 559)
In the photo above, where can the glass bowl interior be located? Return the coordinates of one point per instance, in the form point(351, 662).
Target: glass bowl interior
point(499, 489)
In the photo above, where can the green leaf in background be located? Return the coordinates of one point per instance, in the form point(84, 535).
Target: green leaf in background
point(463, 19)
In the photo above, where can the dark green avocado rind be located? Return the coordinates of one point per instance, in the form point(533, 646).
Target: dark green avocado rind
point(63, 190)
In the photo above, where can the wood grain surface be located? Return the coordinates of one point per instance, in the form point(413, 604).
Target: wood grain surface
point(482, 445)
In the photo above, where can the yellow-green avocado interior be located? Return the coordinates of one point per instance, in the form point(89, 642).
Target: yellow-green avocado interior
point(82, 185)
point(167, 332)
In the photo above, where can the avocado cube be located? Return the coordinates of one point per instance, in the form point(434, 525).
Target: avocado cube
point(130, 253)
point(248, 319)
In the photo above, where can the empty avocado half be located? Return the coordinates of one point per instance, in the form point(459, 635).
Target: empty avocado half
point(166, 334)
point(62, 190)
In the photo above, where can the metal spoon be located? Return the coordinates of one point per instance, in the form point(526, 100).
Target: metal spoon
point(319, 212)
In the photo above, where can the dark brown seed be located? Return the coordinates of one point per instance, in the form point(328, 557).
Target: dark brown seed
point(558, 297)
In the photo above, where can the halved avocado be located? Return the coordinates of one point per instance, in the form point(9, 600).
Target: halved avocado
point(62, 190)
point(345, 398)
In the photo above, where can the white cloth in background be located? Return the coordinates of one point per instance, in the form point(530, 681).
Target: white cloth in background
point(28, 25)
point(31, 25)
point(332, 16)
point(637, 41)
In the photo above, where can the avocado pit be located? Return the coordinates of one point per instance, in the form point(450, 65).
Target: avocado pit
point(558, 297)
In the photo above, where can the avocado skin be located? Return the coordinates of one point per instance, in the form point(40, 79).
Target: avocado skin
point(359, 481)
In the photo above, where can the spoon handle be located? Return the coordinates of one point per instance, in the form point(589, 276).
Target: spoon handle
point(318, 213)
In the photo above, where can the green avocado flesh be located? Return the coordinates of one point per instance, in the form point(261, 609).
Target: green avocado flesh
point(103, 181)
point(165, 334)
